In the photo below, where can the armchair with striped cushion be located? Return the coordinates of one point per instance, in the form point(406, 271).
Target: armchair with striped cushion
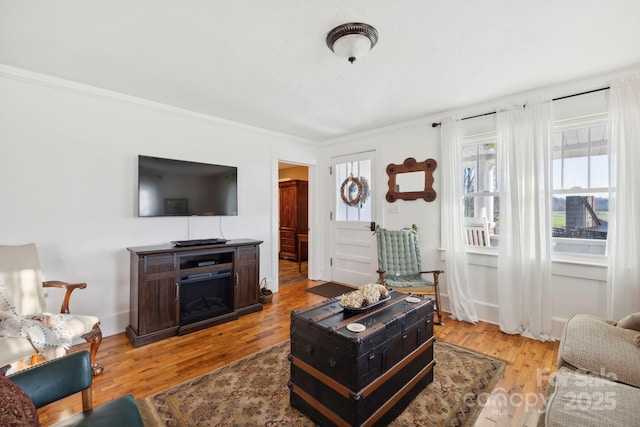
point(399, 265)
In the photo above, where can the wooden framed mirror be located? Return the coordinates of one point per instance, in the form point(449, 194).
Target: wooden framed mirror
point(411, 180)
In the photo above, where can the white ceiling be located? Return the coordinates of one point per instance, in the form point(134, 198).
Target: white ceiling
point(265, 62)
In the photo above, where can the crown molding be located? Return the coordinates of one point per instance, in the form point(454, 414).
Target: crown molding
point(73, 87)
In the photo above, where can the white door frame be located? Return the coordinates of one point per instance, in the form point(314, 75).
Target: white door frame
point(274, 284)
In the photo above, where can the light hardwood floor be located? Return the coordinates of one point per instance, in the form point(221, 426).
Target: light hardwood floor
point(149, 369)
point(291, 272)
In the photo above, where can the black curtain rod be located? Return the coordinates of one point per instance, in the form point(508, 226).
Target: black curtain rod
point(581, 93)
point(435, 124)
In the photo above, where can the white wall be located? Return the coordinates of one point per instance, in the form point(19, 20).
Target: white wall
point(579, 285)
point(576, 288)
point(68, 183)
point(391, 145)
point(68, 173)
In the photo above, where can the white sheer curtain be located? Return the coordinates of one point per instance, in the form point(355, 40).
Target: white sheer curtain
point(623, 240)
point(460, 300)
point(524, 261)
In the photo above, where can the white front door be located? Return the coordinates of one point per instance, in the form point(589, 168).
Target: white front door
point(354, 256)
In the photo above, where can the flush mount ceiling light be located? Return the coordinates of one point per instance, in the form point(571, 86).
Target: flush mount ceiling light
point(352, 40)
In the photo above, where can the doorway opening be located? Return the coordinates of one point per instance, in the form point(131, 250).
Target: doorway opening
point(293, 245)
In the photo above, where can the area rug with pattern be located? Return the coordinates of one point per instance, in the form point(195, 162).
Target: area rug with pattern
point(253, 392)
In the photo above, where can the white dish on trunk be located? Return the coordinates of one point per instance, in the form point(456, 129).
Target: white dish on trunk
point(356, 327)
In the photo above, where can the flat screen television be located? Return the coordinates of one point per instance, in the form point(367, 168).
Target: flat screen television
point(169, 187)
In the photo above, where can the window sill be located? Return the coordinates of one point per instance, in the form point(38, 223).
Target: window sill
point(583, 259)
point(477, 253)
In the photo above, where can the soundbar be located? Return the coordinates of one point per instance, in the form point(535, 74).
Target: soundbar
point(198, 242)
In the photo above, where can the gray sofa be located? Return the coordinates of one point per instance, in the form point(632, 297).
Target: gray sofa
point(598, 378)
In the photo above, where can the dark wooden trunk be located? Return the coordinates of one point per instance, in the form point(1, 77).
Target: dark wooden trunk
point(339, 377)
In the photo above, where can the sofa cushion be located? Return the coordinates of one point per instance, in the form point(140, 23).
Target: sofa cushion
point(631, 321)
point(578, 399)
point(596, 346)
point(16, 409)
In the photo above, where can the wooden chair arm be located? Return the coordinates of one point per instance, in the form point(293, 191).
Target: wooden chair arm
point(382, 277)
point(69, 287)
point(435, 273)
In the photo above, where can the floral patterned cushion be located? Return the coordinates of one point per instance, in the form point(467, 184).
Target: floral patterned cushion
point(16, 409)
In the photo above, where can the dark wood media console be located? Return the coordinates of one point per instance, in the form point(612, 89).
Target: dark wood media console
point(177, 290)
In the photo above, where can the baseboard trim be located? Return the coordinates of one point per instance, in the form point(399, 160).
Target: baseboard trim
point(488, 312)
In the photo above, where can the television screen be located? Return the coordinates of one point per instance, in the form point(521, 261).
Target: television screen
point(179, 188)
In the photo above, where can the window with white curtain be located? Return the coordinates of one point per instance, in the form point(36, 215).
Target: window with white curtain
point(580, 200)
point(580, 173)
point(481, 192)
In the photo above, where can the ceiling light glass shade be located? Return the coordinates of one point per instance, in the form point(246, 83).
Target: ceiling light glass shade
point(352, 40)
point(352, 46)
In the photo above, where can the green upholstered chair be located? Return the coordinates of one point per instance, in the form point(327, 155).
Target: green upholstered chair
point(399, 265)
point(54, 380)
